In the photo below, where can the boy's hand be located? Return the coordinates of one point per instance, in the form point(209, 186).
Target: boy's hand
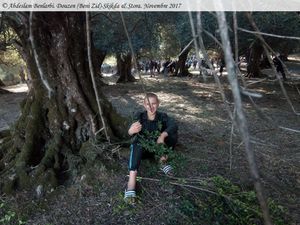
point(161, 138)
point(135, 128)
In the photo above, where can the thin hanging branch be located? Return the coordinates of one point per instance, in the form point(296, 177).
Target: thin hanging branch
point(184, 49)
point(269, 120)
point(267, 34)
point(236, 45)
point(195, 187)
point(36, 57)
point(241, 119)
point(134, 58)
point(231, 140)
point(216, 78)
point(212, 37)
point(132, 53)
point(298, 89)
point(88, 37)
point(267, 50)
point(195, 41)
point(258, 110)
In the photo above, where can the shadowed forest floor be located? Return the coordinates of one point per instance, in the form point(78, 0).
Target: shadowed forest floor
point(209, 147)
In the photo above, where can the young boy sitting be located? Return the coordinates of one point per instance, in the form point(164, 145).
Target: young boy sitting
point(150, 120)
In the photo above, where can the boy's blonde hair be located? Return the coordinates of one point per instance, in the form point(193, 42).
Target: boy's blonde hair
point(150, 95)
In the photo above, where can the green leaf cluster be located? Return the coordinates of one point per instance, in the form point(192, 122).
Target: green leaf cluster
point(234, 206)
point(229, 205)
point(148, 142)
point(8, 216)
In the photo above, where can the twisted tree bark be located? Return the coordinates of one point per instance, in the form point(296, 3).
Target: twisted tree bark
point(52, 128)
point(124, 66)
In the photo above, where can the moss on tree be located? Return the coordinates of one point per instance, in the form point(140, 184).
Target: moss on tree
point(51, 141)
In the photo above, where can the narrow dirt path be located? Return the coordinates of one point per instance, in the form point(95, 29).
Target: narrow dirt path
point(10, 105)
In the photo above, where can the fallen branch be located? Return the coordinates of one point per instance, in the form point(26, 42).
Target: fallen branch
point(267, 34)
point(88, 37)
point(241, 119)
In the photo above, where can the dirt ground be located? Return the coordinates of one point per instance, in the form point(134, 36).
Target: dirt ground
point(206, 139)
point(10, 105)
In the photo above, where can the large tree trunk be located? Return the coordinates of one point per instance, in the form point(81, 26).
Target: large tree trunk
point(254, 59)
point(124, 65)
point(2, 91)
point(1, 83)
point(49, 135)
point(98, 59)
point(181, 69)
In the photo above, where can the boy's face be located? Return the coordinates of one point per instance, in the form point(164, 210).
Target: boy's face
point(152, 107)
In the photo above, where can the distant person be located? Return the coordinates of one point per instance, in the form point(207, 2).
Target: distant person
point(195, 62)
point(22, 75)
point(204, 64)
point(279, 67)
point(212, 61)
point(166, 67)
point(222, 65)
point(189, 63)
point(172, 66)
point(152, 68)
point(158, 66)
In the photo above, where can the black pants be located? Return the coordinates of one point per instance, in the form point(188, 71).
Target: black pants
point(137, 153)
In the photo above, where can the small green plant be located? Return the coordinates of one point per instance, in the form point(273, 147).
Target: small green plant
point(8, 216)
point(233, 206)
point(185, 212)
point(121, 207)
point(188, 208)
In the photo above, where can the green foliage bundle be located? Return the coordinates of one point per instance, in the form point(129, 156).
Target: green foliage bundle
point(229, 205)
point(234, 206)
point(149, 144)
point(8, 216)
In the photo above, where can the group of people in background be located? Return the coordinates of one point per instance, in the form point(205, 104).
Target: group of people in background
point(157, 66)
point(168, 66)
